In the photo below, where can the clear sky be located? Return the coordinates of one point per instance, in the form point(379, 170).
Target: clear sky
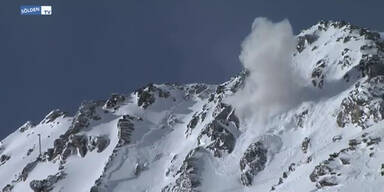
point(89, 49)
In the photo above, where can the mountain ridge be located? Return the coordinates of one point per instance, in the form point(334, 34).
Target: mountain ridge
point(179, 138)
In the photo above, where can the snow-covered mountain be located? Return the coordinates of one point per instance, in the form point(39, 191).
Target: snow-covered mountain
point(187, 138)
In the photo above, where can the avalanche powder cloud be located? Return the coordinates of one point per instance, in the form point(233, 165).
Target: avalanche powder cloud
point(272, 84)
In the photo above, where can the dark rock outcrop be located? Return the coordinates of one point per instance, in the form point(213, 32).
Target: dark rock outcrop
point(305, 39)
point(252, 162)
point(26, 126)
point(305, 144)
point(30, 151)
point(230, 87)
point(77, 144)
point(125, 127)
point(189, 173)
point(196, 118)
point(363, 104)
point(226, 114)
point(58, 147)
point(220, 132)
point(221, 139)
point(46, 185)
point(7, 188)
point(195, 90)
point(80, 142)
point(320, 170)
point(27, 169)
point(327, 181)
point(114, 101)
point(99, 142)
point(370, 64)
point(318, 74)
point(192, 124)
point(326, 173)
point(337, 138)
point(147, 95)
point(53, 115)
point(300, 118)
point(291, 169)
point(68, 143)
point(4, 159)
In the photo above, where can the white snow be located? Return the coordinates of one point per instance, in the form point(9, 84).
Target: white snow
point(160, 143)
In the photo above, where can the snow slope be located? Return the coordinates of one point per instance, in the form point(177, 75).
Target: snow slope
point(183, 138)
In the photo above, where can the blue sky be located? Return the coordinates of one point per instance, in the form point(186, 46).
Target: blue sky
point(90, 49)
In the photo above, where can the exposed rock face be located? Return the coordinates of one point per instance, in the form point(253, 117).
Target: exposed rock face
point(252, 162)
point(86, 113)
point(52, 116)
point(46, 185)
point(125, 126)
point(363, 104)
point(220, 132)
point(195, 90)
point(305, 144)
point(30, 151)
point(325, 174)
point(337, 138)
point(301, 117)
point(196, 118)
point(26, 126)
point(192, 124)
point(147, 95)
point(99, 142)
point(27, 169)
point(320, 170)
point(318, 74)
point(4, 159)
point(58, 147)
point(114, 101)
point(305, 39)
point(371, 65)
point(348, 64)
point(7, 188)
point(291, 169)
point(327, 181)
point(328, 172)
point(230, 87)
point(145, 99)
point(80, 142)
point(189, 174)
point(217, 136)
point(226, 114)
point(221, 140)
point(69, 150)
point(69, 143)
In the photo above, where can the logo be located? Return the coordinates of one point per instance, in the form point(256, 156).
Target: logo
point(35, 10)
point(46, 10)
point(30, 10)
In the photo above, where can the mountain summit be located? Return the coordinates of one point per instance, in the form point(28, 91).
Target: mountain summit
point(190, 138)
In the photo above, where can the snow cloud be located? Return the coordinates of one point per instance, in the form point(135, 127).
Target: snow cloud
point(272, 85)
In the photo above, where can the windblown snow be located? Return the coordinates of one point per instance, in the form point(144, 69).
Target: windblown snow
point(304, 115)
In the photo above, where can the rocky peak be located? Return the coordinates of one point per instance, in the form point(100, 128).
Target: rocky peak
point(335, 50)
point(26, 126)
point(184, 138)
point(147, 95)
point(54, 114)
